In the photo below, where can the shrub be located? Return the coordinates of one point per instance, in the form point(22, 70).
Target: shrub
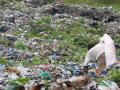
point(84, 40)
point(117, 38)
point(115, 76)
point(118, 52)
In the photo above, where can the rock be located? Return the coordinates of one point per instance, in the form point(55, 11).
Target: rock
point(11, 37)
point(79, 81)
point(2, 81)
point(113, 27)
point(2, 87)
point(13, 76)
point(4, 29)
point(12, 70)
point(106, 15)
point(36, 3)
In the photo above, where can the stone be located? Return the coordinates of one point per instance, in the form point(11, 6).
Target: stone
point(112, 27)
point(36, 2)
point(4, 29)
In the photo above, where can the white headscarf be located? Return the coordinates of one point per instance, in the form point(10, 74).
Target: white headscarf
point(110, 51)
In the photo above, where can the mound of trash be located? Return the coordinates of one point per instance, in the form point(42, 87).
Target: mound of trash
point(40, 38)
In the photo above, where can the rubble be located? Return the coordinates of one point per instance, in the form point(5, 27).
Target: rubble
point(106, 14)
point(39, 75)
point(113, 27)
point(36, 2)
point(4, 29)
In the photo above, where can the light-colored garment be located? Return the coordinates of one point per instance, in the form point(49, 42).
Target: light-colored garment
point(106, 45)
point(94, 53)
point(110, 51)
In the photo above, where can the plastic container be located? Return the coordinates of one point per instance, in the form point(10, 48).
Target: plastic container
point(45, 75)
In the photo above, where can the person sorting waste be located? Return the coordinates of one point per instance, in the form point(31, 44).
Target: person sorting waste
point(104, 54)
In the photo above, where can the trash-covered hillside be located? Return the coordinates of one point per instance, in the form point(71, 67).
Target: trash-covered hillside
point(43, 44)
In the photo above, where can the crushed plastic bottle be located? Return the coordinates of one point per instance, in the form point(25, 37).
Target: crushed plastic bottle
point(45, 75)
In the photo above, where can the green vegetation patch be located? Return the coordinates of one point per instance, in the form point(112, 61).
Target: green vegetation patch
point(115, 76)
point(20, 45)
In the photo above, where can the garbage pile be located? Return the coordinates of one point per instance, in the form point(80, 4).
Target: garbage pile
point(40, 72)
point(113, 27)
point(59, 13)
point(105, 14)
point(28, 37)
point(60, 77)
point(13, 54)
point(36, 3)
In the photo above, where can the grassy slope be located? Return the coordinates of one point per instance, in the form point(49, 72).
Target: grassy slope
point(97, 3)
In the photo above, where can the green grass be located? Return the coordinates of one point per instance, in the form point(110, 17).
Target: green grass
point(75, 38)
point(20, 45)
point(115, 76)
point(92, 1)
point(4, 41)
point(3, 61)
point(38, 26)
point(17, 32)
point(97, 3)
